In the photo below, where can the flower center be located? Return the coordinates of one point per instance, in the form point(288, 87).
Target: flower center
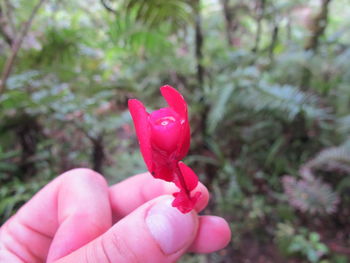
point(165, 120)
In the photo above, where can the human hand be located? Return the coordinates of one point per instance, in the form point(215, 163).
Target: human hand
point(78, 218)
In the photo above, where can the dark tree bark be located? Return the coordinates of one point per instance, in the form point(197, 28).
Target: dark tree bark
point(318, 27)
point(98, 154)
point(200, 145)
point(260, 16)
point(274, 40)
point(29, 133)
point(199, 44)
point(230, 24)
point(227, 16)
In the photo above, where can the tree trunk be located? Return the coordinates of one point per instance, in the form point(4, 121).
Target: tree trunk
point(274, 40)
point(318, 26)
point(261, 14)
point(200, 147)
point(98, 154)
point(199, 44)
point(29, 133)
point(230, 23)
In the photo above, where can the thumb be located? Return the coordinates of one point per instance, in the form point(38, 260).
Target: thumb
point(155, 232)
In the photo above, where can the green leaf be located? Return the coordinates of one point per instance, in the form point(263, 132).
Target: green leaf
point(219, 109)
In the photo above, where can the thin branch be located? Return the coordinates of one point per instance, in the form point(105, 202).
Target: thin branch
point(82, 130)
point(16, 46)
point(9, 15)
point(4, 28)
point(108, 8)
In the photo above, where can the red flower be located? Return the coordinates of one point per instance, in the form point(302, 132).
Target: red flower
point(164, 137)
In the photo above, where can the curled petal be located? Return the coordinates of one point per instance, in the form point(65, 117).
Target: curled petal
point(175, 100)
point(143, 131)
point(189, 177)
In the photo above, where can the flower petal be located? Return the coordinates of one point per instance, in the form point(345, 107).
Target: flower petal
point(143, 131)
point(184, 141)
point(163, 172)
point(185, 203)
point(175, 100)
point(190, 178)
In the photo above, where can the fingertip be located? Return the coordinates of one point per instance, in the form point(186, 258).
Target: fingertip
point(80, 176)
point(214, 233)
point(204, 197)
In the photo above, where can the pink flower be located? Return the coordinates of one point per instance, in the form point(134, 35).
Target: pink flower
point(164, 137)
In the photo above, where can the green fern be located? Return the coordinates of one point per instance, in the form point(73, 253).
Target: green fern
point(133, 35)
point(220, 106)
point(148, 23)
point(329, 159)
point(154, 13)
point(244, 91)
point(310, 195)
point(286, 100)
point(64, 40)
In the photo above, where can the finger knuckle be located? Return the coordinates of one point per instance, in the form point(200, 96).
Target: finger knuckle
point(117, 249)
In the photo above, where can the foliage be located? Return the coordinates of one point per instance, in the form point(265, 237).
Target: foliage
point(303, 242)
point(333, 159)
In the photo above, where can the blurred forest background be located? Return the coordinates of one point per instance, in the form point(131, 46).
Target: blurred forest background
point(268, 88)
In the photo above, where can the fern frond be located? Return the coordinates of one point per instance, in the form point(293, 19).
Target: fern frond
point(246, 91)
point(329, 159)
point(64, 40)
point(153, 13)
point(310, 195)
point(219, 107)
point(283, 99)
point(128, 33)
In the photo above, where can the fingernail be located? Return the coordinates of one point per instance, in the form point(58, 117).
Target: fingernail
point(170, 228)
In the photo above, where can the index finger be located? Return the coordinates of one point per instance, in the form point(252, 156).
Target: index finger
point(131, 193)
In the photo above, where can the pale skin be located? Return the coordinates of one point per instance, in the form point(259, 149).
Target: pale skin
point(79, 218)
